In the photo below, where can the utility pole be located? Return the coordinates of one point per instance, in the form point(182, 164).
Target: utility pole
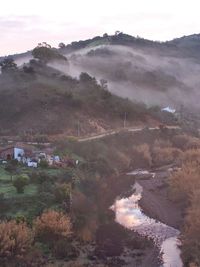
point(125, 115)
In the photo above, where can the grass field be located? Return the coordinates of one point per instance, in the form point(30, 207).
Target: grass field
point(29, 203)
point(4, 175)
point(9, 191)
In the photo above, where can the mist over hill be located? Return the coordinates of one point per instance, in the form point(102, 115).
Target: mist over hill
point(142, 70)
point(40, 92)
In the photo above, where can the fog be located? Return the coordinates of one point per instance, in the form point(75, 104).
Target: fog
point(23, 60)
point(149, 75)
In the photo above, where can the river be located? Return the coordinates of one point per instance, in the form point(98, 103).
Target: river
point(129, 214)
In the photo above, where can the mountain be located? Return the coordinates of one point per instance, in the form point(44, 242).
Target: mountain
point(38, 99)
point(60, 94)
point(155, 73)
point(187, 41)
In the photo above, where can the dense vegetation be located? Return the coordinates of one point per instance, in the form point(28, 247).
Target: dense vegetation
point(60, 206)
point(185, 186)
point(38, 99)
point(51, 213)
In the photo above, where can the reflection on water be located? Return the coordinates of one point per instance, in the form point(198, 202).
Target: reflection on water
point(170, 245)
point(129, 214)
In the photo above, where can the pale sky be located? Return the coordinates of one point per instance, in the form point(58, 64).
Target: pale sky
point(23, 23)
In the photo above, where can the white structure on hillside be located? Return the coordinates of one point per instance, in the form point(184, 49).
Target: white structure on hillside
point(18, 153)
point(168, 109)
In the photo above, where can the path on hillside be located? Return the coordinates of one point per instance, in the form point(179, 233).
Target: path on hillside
point(130, 129)
point(97, 136)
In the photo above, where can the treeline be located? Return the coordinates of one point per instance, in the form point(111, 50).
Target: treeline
point(185, 188)
point(70, 206)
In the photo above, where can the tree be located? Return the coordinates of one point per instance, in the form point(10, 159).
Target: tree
point(104, 84)
point(44, 44)
point(43, 164)
point(62, 192)
point(15, 239)
point(85, 77)
point(52, 226)
point(142, 156)
point(185, 181)
point(62, 195)
point(28, 69)
point(61, 45)
point(109, 240)
point(8, 64)
point(42, 53)
point(20, 182)
point(191, 230)
point(117, 32)
point(45, 53)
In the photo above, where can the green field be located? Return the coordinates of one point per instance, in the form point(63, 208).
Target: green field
point(9, 190)
point(32, 201)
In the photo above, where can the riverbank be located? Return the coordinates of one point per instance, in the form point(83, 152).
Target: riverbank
point(155, 201)
point(151, 220)
point(113, 245)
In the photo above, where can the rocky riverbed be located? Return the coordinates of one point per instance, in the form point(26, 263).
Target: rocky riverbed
point(150, 213)
point(136, 244)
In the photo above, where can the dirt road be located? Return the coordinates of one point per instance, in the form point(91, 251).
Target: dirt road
point(131, 129)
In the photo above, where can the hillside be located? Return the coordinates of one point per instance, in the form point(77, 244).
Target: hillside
point(38, 99)
point(145, 72)
point(142, 70)
point(90, 118)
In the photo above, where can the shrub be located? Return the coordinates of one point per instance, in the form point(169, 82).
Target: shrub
point(142, 156)
point(62, 192)
point(40, 177)
point(184, 142)
point(46, 187)
point(84, 211)
point(15, 239)
point(43, 164)
point(180, 140)
point(8, 64)
point(110, 240)
point(87, 232)
point(34, 258)
point(191, 155)
point(51, 226)
point(85, 77)
point(166, 155)
point(64, 249)
point(191, 232)
point(82, 204)
point(45, 53)
point(193, 143)
point(20, 182)
point(185, 181)
point(121, 161)
point(28, 69)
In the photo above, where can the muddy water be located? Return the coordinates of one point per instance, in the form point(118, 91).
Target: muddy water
point(129, 214)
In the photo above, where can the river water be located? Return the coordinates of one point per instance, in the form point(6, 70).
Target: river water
point(129, 214)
